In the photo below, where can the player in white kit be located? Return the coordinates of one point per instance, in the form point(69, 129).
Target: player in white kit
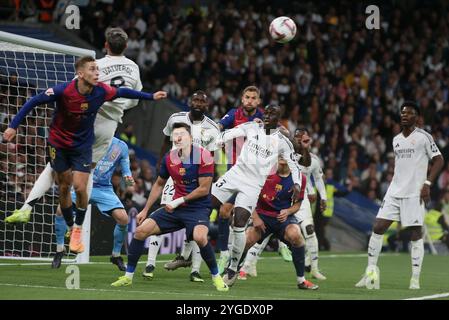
point(118, 71)
point(304, 215)
point(408, 192)
point(205, 133)
point(264, 144)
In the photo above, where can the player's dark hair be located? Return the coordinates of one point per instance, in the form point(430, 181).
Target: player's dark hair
point(116, 39)
point(252, 89)
point(182, 125)
point(411, 104)
point(82, 61)
point(199, 92)
point(299, 129)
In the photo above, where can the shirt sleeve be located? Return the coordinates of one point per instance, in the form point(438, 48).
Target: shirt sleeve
point(207, 164)
point(228, 119)
point(431, 147)
point(163, 171)
point(287, 152)
point(317, 173)
point(168, 127)
point(110, 93)
point(239, 131)
point(48, 96)
point(124, 161)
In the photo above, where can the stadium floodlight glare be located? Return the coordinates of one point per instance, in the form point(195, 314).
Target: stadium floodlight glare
point(29, 66)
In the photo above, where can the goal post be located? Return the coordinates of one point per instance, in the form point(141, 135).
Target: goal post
point(29, 66)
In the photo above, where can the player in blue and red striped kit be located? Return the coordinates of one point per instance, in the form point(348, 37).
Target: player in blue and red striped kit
point(275, 215)
point(247, 112)
point(72, 134)
point(191, 168)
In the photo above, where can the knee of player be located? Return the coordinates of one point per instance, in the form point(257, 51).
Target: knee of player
point(64, 188)
point(121, 217)
point(225, 211)
point(293, 235)
point(201, 239)
point(140, 233)
point(241, 217)
point(80, 188)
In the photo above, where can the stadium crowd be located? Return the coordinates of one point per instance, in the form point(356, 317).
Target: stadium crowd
point(345, 83)
point(339, 79)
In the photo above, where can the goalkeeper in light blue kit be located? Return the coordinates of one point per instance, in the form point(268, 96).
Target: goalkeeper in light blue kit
point(104, 197)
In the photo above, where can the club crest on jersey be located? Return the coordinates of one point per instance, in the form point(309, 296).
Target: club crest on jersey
point(278, 187)
point(49, 92)
point(182, 171)
point(84, 106)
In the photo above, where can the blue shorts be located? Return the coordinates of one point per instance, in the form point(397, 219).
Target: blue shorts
point(273, 226)
point(63, 159)
point(104, 198)
point(181, 218)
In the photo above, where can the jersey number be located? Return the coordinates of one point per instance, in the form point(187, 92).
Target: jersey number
point(219, 184)
point(117, 82)
point(169, 190)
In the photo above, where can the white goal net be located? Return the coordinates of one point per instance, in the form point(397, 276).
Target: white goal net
point(29, 66)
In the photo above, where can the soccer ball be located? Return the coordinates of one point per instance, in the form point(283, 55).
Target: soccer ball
point(282, 29)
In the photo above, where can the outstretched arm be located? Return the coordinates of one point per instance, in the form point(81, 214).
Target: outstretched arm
point(123, 92)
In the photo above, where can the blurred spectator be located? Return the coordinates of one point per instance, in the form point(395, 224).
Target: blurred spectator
point(172, 87)
point(128, 134)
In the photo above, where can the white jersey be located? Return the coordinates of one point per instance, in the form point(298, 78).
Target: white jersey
point(315, 171)
point(412, 155)
point(260, 153)
point(205, 133)
point(118, 71)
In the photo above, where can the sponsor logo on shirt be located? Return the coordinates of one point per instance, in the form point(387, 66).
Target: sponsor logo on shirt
point(84, 106)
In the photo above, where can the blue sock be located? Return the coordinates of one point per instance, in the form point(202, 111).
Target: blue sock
point(67, 213)
point(119, 236)
point(223, 234)
point(80, 214)
point(298, 255)
point(60, 229)
point(208, 255)
point(134, 252)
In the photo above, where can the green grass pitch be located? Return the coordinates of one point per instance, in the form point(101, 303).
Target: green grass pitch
point(276, 280)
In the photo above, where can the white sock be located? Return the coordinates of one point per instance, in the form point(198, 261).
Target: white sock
point(301, 279)
point(374, 248)
point(154, 244)
point(129, 275)
point(252, 255)
point(59, 248)
point(90, 184)
point(40, 187)
point(230, 239)
point(78, 226)
point(196, 256)
point(312, 250)
point(238, 247)
point(187, 248)
point(264, 244)
point(417, 253)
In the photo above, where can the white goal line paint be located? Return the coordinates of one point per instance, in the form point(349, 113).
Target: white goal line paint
point(133, 291)
point(332, 256)
point(435, 296)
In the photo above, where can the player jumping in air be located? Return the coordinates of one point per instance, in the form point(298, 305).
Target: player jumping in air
point(408, 192)
point(264, 143)
point(117, 71)
point(71, 134)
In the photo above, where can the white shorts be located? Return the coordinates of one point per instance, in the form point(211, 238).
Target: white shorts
point(104, 132)
point(230, 184)
point(168, 192)
point(409, 211)
point(304, 214)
